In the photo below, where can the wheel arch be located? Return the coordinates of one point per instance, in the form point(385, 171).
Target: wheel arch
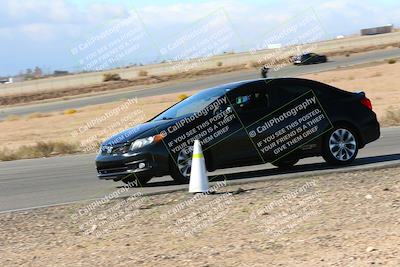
point(208, 157)
point(353, 127)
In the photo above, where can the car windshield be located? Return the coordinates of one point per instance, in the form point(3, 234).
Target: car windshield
point(192, 104)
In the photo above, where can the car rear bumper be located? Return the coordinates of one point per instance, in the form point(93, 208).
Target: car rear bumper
point(371, 132)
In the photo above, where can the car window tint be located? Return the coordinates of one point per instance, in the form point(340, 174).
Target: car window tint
point(195, 106)
point(250, 100)
point(284, 93)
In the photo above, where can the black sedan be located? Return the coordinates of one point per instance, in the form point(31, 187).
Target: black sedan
point(276, 121)
point(309, 58)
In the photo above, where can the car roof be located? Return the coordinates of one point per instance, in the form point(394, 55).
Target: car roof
point(257, 81)
point(235, 85)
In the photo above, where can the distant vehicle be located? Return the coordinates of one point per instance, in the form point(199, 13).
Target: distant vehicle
point(309, 58)
point(5, 81)
point(60, 72)
point(141, 152)
point(377, 30)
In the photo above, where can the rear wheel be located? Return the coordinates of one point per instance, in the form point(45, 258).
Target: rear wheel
point(181, 168)
point(285, 163)
point(340, 146)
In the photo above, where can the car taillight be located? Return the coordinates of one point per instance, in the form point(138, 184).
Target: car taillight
point(366, 102)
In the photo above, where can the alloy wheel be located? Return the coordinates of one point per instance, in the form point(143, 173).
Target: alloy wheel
point(184, 162)
point(342, 144)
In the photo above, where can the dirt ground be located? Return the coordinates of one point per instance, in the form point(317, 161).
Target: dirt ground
point(380, 82)
point(76, 125)
point(72, 85)
point(66, 93)
point(347, 219)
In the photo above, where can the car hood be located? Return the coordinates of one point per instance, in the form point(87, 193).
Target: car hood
point(139, 131)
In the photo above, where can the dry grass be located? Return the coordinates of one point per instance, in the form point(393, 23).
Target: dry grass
point(25, 132)
point(182, 97)
point(39, 150)
point(36, 115)
point(70, 111)
point(113, 85)
point(392, 117)
point(12, 117)
point(111, 77)
point(143, 73)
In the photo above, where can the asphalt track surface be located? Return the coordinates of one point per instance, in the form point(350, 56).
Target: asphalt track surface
point(26, 184)
point(201, 83)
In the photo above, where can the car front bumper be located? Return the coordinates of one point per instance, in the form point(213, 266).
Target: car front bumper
point(142, 164)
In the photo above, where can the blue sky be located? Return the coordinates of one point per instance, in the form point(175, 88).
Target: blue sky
point(42, 33)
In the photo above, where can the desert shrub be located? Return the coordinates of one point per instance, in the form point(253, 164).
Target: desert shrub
point(36, 115)
point(111, 77)
point(219, 64)
point(143, 73)
point(347, 55)
point(392, 61)
point(182, 97)
point(70, 111)
point(392, 117)
point(65, 148)
point(6, 155)
point(12, 117)
point(40, 149)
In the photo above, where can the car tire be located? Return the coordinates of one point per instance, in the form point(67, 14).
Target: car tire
point(285, 163)
point(181, 166)
point(140, 181)
point(340, 145)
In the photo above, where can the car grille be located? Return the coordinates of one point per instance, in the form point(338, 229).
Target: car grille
point(116, 149)
point(121, 149)
point(112, 170)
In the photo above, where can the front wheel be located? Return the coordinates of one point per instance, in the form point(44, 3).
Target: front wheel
point(181, 168)
point(340, 146)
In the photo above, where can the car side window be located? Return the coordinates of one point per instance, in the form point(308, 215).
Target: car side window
point(284, 93)
point(251, 100)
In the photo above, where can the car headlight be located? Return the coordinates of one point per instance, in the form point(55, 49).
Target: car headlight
point(139, 143)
